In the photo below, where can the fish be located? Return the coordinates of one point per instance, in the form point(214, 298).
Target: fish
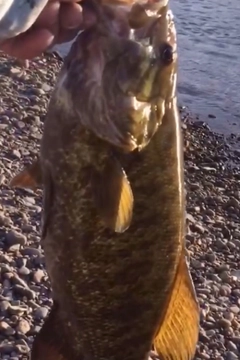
point(113, 222)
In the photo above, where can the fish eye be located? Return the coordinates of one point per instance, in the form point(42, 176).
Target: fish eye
point(166, 53)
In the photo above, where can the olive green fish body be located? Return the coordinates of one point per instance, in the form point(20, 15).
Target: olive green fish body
point(112, 287)
point(113, 207)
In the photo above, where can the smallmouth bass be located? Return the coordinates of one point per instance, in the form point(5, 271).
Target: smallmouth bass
point(113, 209)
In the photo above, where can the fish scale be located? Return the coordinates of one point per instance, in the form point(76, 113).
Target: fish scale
point(113, 206)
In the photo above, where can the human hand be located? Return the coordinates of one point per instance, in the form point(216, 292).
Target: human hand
point(59, 21)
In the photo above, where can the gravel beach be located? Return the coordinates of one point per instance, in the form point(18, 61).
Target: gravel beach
point(212, 173)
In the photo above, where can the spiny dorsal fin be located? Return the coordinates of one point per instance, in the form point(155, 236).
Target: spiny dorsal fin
point(29, 178)
point(178, 332)
point(113, 196)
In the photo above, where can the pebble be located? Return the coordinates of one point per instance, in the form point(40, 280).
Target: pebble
point(14, 238)
point(7, 348)
point(29, 251)
point(196, 264)
point(2, 179)
point(38, 276)
point(6, 329)
point(17, 309)
point(23, 326)
point(23, 291)
point(24, 271)
point(224, 323)
point(231, 356)
point(41, 312)
point(234, 309)
point(211, 257)
point(4, 305)
point(225, 290)
point(232, 347)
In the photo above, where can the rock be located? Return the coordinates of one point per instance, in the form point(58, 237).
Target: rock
point(15, 238)
point(4, 220)
point(23, 326)
point(46, 87)
point(234, 309)
point(196, 264)
point(23, 291)
point(211, 257)
point(224, 323)
point(226, 277)
point(229, 315)
point(2, 179)
point(231, 356)
point(24, 271)
point(7, 348)
point(234, 203)
point(41, 313)
point(6, 329)
point(197, 228)
point(4, 305)
point(23, 349)
point(17, 309)
point(38, 276)
point(29, 251)
point(232, 347)
point(18, 281)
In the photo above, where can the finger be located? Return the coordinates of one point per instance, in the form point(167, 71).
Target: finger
point(70, 16)
point(49, 16)
point(29, 44)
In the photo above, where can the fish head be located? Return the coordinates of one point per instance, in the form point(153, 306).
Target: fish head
point(88, 89)
point(117, 79)
point(153, 74)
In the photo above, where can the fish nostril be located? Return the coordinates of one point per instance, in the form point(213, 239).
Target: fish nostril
point(166, 53)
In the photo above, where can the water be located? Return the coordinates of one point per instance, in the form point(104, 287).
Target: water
point(209, 60)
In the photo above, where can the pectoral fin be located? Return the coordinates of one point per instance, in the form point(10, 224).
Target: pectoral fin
point(51, 342)
point(29, 178)
point(113, 196)
point(178, 332)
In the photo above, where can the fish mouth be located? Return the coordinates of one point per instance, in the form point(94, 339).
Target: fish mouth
point(117, 87)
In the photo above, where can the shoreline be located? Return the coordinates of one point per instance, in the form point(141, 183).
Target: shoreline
point(212, 177)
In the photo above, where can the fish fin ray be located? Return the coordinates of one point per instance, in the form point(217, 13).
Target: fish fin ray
point(181, 320)
point(29, 178)
point(51, 342)
point(113, 196)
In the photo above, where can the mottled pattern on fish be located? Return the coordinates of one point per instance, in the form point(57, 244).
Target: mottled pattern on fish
point(113, 219)
point(113, 286)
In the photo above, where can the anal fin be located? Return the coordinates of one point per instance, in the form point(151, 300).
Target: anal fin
point(51, 343)
point(29, 178)
point(178, 332)
point(113, 196)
